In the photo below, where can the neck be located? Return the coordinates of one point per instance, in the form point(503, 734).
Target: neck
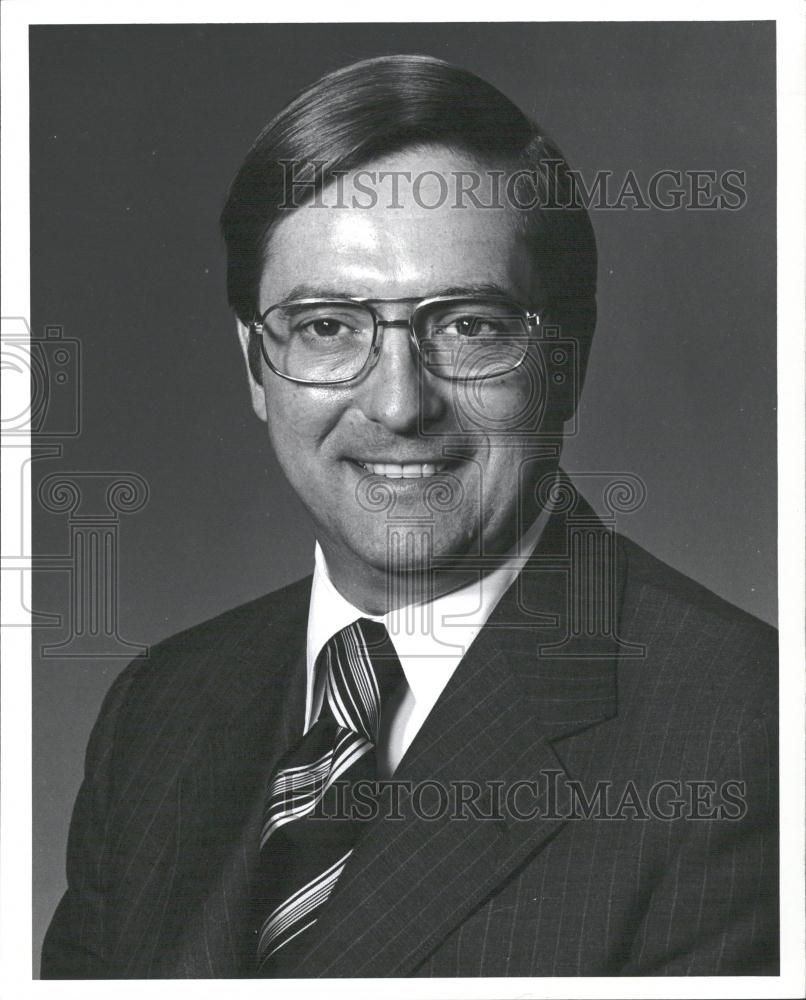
point(376, 591)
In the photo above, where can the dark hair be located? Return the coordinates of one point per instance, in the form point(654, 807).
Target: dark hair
point(379, 106)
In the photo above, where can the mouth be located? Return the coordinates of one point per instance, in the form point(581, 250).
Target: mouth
point(401, 470)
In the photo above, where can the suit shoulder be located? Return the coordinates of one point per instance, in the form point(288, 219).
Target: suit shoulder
point(242, 633)
point(646, 570)
point(706, 642)
point(288, 604)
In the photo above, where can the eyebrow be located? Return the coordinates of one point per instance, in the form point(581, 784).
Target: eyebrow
point(308, 291)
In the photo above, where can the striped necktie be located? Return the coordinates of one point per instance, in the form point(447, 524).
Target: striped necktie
point(307, 835)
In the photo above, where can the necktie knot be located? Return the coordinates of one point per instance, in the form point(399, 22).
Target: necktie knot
point(362, 672)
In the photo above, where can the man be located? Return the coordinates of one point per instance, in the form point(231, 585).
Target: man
point(489, 736)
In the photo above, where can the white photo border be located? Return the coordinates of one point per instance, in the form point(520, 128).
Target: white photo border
point(16, 790)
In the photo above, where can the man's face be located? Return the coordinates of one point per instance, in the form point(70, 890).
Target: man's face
point(333, 442)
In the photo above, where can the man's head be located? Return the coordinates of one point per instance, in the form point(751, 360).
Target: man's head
point(396, 180)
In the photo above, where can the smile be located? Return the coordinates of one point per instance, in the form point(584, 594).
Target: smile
point(407, 470)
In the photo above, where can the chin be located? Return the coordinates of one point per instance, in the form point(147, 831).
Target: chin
point(410, 547)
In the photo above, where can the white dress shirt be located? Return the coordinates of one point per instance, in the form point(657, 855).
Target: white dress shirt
point(430, 640)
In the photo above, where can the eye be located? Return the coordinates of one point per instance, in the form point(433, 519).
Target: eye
point(469, 325)
point(325, 323)
point(324, 327)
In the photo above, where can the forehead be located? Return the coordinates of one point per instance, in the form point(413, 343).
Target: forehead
point(402, 225)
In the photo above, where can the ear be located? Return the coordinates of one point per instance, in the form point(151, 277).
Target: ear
point(253, 361)
point(568, 363)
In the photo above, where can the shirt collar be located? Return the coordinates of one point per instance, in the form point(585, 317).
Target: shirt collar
point(430, 639)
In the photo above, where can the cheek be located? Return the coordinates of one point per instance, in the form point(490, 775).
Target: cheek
point(299, 418)
point(510, 411)
point(500, 406)
point(287, 419)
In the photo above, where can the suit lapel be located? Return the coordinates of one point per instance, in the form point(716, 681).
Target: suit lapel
point(258, 710)
point(521, 686)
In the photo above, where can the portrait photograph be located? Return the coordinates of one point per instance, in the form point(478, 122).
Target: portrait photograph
point(402, 495)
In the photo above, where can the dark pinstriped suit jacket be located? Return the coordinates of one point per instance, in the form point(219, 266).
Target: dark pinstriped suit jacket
point(163, 839)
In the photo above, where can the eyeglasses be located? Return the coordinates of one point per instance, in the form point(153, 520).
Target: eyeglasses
point(333, 341)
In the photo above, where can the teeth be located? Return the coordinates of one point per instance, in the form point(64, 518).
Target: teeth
point(412, 470)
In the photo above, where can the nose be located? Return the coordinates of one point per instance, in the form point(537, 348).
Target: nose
point(398, 392)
